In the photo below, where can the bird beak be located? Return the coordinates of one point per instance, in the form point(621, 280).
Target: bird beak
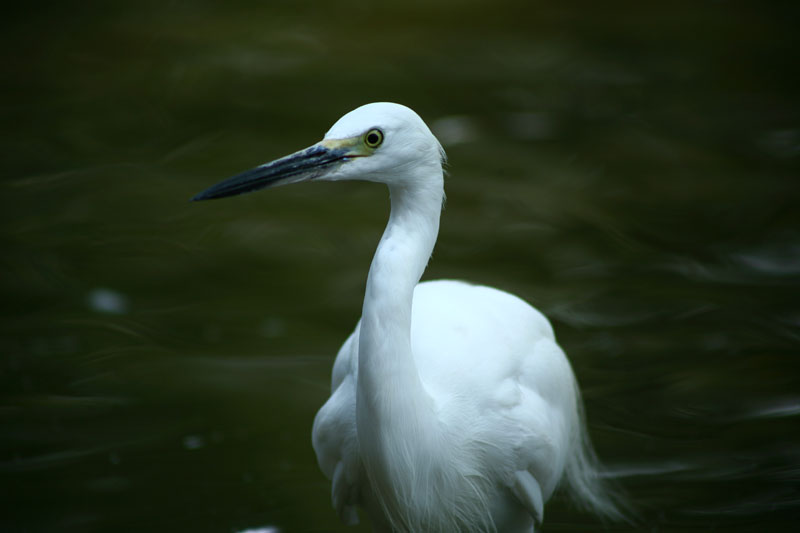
point(311, 163)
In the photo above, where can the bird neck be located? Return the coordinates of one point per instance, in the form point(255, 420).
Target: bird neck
point(390, 392)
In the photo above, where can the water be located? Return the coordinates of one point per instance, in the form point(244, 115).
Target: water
point(633, 173)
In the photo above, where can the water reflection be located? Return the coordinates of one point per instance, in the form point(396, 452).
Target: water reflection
point(105, 300)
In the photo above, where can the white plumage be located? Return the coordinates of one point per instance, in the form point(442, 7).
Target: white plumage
point(452, 407)
point(501, 401)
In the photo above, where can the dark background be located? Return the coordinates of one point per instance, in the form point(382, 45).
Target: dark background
point(631, 169)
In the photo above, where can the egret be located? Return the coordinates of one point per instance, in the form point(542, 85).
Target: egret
point(452, 407)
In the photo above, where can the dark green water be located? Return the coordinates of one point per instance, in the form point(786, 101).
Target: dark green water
point(631, 170)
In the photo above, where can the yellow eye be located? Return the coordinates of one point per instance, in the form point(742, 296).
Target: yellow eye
point(373, 138)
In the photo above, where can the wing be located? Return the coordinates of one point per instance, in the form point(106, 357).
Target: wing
point(334, 433)
point(498, 356)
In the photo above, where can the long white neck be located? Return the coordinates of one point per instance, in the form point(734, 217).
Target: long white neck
point(387, 376)
point(395, 413)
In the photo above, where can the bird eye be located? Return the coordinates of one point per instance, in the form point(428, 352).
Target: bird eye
point(373, 138)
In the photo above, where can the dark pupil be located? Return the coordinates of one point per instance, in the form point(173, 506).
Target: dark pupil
point(373, 138)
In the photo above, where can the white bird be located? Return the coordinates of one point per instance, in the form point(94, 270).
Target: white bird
point(452, 407)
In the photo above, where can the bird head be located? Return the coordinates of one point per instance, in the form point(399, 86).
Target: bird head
point(382, 142)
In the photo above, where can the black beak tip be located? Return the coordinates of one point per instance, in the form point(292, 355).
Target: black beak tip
point(300, 166)
point(209, 194)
